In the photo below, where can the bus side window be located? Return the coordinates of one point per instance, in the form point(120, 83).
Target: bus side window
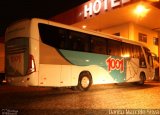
point(62, 37)
point(142, 62)
point(113, 47)
point(137, 51)
point(78, 41)
point(53, 36)
point(49, 35)
point(108, 51)
point(98, 45)
point(149, 57)
point(127, 50)
point(68, 43)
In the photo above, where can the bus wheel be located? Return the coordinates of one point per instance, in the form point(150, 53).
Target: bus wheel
point(85, 81)
point(142, 79)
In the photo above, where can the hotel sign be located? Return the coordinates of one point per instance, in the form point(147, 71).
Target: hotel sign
point(97, 6)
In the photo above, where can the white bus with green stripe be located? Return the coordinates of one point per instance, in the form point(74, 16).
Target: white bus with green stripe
point(45, 53)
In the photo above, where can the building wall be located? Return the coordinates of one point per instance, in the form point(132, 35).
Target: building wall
point(131, 31)
point(150, 35)
point(123, 29)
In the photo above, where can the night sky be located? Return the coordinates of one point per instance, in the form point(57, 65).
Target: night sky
point(13, 10)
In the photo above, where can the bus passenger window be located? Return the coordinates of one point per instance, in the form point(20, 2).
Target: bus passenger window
point(78, 41)
point(62, 38)
point(108, 51)
point(113, 47)
point(52, 36)
point(98, 45)
point(149, 57)
point(142, 62)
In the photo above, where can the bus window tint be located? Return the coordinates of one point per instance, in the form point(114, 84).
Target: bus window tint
point(49, 35)
point(77, 41)
point(71, 40)
point(62, 36)
point(149, 56)
point(137, 51)
point(114, 47)
point(64, 39)
point(130, 50)
point(127, 50)
point(98, 45)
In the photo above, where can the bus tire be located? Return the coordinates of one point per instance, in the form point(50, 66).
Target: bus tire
point(142, 79)
point(85, 81)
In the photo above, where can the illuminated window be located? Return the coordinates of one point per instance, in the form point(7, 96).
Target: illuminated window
point(142, 37)
point(155, 41)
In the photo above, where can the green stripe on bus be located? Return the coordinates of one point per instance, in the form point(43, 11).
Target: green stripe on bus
point(85, 59)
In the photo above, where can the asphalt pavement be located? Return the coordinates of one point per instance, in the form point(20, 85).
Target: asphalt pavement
point(113, 99)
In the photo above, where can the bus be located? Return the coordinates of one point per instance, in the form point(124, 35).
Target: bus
point(40, 52)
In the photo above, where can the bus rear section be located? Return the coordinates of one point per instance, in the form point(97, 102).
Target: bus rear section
point(20, 62)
